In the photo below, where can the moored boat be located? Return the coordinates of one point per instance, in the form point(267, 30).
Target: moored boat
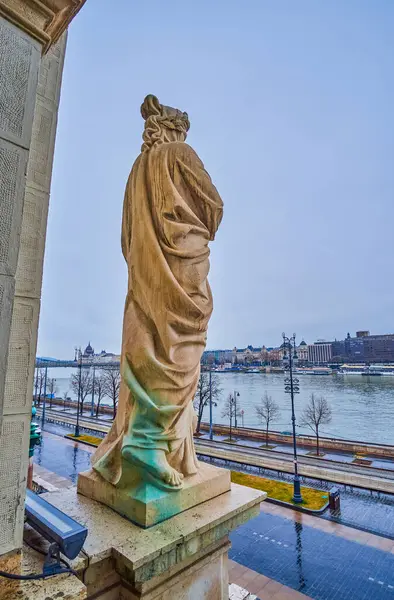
point(314, 371)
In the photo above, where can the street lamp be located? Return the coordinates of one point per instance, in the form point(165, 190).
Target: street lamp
point(45, 398)
point(93, 383)
point(292, 387)
point(36, 386)
point(78, 353)
point(235, 408)
point(211, 405)
point(231, 404)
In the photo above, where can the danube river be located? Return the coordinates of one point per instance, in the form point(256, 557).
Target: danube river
point(362, 407)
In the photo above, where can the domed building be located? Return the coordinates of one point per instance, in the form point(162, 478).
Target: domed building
point(302, 351)
point(89, 352)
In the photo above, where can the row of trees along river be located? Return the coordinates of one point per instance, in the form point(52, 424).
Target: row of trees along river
point(315, 414)
point(361, 408)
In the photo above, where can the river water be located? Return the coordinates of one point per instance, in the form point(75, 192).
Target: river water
point(362, 407)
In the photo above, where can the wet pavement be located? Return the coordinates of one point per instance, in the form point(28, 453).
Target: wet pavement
point(318, 564)
point(343, 457)
point(337, 456)
point(368, 511)
point(303, 557)
point(362, 509)
point(65, 459)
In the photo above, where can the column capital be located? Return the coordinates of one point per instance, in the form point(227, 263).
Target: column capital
point(44, 20)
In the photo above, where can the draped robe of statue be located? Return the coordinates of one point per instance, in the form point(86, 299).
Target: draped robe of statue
point(171, 212)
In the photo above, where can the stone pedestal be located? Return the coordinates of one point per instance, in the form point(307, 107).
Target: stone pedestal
point(182, 558)
point(145, 504)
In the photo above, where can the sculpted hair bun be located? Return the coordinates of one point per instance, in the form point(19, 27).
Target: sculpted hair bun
point(150, 107)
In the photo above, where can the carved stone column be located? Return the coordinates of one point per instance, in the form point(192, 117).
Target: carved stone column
point(28, 29)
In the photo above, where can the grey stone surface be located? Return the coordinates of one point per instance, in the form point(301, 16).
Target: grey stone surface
point(19, 63)
point(187, 551)
point(238, 593)
point(14, 439)
point(23, 216)
point(21, 355)
point(7, 286)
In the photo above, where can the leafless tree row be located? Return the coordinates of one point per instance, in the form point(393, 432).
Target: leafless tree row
point(316, 413)
point(203, 393)
point(105, 383)
point(39, 387)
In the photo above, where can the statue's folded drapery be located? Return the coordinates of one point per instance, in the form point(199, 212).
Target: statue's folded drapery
point(171, 211)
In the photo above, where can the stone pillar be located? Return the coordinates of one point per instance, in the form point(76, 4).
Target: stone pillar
point(27, 28)
point(19, 64)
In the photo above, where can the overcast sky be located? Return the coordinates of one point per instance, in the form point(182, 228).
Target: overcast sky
point(291, 110)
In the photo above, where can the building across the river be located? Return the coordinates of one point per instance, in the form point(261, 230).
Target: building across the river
point(365, 348)
point(216, 357)
point(89, 355)
point(237, 356)
point(362, 348)
point(251, 355)
point(320, 352)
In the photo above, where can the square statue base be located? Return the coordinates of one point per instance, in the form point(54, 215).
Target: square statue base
point(144, 504)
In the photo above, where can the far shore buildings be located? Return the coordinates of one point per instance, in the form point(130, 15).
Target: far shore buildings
point(237, 356)
point(104, 357)
point(363, 348)
point(320, 353)
point(250, 356)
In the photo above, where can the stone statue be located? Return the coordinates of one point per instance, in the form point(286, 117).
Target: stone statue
point(171, 213)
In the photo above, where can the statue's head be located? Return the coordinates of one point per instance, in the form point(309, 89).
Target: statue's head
point(162, 123)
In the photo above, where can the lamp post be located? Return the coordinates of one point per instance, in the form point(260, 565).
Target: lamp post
point(235, 408)
point(292, 387)
point(231, 403)
point(78, 353)
point(36, 387)
point(93, 382)
point(45, 398)
point(52, 387)
point(210, 405)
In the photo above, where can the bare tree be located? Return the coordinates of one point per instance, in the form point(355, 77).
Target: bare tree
point(231, 409)
point(201, 399)
point(267, 411)
point(81, 385)
point(39, 385)
point(99, 388)
point(111, 377)
point(52, 389)
point(65, 397)
point(316, 413)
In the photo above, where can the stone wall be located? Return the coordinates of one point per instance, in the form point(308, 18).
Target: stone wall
point(26, 146)
point(19, 64)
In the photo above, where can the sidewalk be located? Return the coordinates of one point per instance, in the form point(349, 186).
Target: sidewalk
point(321, 560)
point(343, 457)
point(264, 587)
point(330, 455)
point(359, 508)
point(279, 555)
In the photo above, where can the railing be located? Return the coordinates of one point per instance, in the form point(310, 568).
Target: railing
point(74, 364)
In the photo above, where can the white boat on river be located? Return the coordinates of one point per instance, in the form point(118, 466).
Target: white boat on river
point(368, 370)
